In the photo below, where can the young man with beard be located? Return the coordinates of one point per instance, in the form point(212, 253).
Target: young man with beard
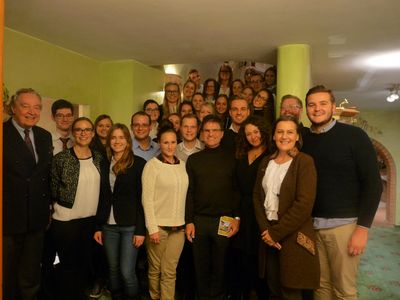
point(348, 193)
point(239, 110)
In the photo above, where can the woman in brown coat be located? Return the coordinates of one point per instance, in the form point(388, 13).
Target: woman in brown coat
point(284, 195)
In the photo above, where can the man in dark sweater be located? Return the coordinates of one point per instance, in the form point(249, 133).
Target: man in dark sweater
point(211, 194)
point(348, 194)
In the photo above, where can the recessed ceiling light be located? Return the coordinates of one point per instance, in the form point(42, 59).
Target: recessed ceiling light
point(387, 60)
point(170, 69)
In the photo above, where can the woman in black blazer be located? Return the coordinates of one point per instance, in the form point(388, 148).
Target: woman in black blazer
point(121, 215)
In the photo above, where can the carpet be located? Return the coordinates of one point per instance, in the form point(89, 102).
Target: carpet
point(379, 273)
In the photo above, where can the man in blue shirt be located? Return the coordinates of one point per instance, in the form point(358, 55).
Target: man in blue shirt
point(142, 144)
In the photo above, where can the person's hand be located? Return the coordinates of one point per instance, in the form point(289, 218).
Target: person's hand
point(269, 241)
point(137, 240)
point(233, 228)
point(358, 241)
point(98, 237)
point(155, 238)
point(190, 232)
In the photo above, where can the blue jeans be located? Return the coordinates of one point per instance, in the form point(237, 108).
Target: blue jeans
point(121, 255)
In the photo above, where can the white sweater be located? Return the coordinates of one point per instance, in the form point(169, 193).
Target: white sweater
point(164, 188)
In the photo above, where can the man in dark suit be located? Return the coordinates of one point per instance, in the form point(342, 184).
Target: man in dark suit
point(26, 195)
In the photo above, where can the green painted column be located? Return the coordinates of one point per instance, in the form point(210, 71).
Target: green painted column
point(294, 73)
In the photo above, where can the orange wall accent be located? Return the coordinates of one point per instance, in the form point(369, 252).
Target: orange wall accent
point(1, 143)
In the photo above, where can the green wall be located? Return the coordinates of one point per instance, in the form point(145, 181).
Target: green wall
point(125, 86)
point(51, 70)
point(388, 122)
point(117, 88)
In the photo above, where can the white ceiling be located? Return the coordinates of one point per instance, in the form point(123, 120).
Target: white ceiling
point(342, 34)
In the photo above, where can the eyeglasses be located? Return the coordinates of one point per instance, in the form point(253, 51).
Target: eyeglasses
point(136, 125)
point(62, 116)
point(169, 92)
point(83, 130)
point(150, 110)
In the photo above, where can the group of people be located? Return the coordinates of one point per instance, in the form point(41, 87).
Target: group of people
point(226, 200)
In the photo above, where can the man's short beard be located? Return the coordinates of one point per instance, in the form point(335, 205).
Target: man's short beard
point(324, 122)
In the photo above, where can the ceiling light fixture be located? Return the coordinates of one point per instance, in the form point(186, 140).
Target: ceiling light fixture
point(394, 93)
point(388, 60)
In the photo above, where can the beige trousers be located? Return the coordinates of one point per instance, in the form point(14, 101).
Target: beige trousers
point(338, 268)
point(163, 259)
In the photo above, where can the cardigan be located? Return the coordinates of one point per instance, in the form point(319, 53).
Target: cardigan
point(65, 176)
point(299, 268)
point(164, 193)
point(125, 199)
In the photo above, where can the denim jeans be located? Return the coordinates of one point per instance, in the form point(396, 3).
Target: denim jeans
point(121, 255)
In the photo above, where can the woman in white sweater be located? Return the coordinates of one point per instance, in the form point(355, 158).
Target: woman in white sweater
point(164, 184)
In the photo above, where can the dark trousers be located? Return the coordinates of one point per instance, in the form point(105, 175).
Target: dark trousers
point(47, 289)
point(21, 265)
point(185, 285)
point(73, 242)
point(209, 254)
point(243, 276)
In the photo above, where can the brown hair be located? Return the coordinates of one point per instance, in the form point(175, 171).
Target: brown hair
point(242, 144)
point(285, 118)
point(126, 161)
point(320, 89)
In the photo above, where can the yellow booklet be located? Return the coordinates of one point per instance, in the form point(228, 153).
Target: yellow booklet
point(224, 223)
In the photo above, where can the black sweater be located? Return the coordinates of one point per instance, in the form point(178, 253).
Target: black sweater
point(349, 183)
point(212, 184)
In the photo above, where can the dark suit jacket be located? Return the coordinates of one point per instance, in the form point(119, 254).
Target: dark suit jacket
point(126, 199)
point(26, 187)
point(298, 267)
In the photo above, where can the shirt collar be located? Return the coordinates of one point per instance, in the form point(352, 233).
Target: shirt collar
point(20, 129)
point(161, 158)
point(56, 136)
point(232, 128)
point(196, 146)
point(324, 129)
point(137, 145)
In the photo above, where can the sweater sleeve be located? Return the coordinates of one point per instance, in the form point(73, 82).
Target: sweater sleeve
point(140, 224)
point(235, 194)
point(55, 177)
point(190, 193)
point(370, 181)
point(149, 179)
point(302, 205)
